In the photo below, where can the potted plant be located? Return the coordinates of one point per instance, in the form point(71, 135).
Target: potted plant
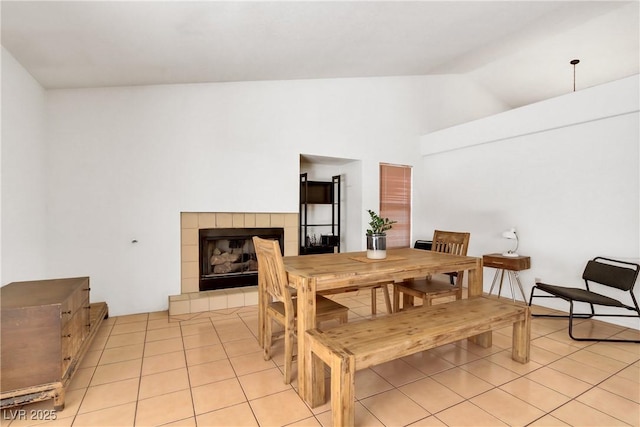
point(377, 236)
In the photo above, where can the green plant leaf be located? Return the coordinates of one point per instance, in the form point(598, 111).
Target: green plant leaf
point(378, 225)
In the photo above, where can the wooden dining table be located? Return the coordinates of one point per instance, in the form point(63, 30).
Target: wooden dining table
point(312, 274)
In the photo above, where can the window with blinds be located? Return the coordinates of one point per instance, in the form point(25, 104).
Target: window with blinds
point(395, 203)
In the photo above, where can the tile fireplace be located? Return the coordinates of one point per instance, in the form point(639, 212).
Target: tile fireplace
point(228, 258)
point(191, 298)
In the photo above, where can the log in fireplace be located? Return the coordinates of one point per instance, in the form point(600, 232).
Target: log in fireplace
point(228, 258)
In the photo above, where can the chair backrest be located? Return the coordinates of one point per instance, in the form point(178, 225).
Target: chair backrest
point(451, 242)
point(271, 271)
point(621, 275)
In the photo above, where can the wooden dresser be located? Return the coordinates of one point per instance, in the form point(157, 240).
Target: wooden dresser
point(46, 327)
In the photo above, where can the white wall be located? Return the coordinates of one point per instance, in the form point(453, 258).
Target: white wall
point(564, 172)
point(124, 162)
point(23, 153)
point(112, 165)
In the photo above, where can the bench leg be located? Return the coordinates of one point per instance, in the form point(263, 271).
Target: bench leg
point(484, 340)
point(522, 338)
point(343, 378)
point(343, 386)
point(314, 369)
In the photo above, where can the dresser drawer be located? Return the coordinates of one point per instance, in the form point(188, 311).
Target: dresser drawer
point(73, 335)
point(76, 302)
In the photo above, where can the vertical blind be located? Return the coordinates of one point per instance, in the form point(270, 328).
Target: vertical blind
point(395, 203)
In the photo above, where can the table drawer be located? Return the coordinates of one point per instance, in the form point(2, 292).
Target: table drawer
point(507, 263)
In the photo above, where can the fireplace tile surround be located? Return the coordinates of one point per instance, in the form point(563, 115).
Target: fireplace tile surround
point(191, 300)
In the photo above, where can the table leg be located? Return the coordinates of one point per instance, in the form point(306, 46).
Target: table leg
point(513, 295)
point(475, 279)
point(501, 280)
point(475, 289)
point(517, 276)
point(495, 279)
point(307, 371)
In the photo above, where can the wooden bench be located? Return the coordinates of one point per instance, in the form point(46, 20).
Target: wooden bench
point(359, 345)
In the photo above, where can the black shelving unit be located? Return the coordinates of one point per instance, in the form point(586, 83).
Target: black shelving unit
point(319, 193)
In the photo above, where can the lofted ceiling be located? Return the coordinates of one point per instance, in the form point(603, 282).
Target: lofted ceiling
point(518, 50)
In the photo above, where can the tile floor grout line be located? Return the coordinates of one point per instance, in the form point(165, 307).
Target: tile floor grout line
point(95, 368)
point(253, 413)
point(86, 389)
point(592, 386)
point(186, 364)
point(144, 346)
point(598, 384)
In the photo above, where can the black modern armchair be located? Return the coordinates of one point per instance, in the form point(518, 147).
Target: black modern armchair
point(600, 273)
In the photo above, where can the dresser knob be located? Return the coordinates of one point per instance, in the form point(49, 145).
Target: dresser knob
point(66, 312)
point(66, 336)
point(67, 358)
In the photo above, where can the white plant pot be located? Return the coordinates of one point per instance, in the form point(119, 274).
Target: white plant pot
point(377, 246)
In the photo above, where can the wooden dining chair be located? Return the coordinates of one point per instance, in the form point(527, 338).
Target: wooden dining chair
point(385, 293)
point(278, 304)
point(429, 288)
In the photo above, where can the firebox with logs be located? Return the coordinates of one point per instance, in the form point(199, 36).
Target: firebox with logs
point(228, 258)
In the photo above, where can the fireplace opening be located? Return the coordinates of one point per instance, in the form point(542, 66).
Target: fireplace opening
point(228, 258)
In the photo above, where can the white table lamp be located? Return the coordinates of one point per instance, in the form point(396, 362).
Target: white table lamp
point(511, 234)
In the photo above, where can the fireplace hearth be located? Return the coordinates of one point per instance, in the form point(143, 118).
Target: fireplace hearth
point(227, 256)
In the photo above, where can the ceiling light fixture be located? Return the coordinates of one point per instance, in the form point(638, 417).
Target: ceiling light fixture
point(574, 62)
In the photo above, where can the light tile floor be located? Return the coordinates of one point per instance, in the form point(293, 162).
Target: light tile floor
point(208, 370)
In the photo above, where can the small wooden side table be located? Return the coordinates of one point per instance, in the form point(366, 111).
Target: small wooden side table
point(512, 264)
